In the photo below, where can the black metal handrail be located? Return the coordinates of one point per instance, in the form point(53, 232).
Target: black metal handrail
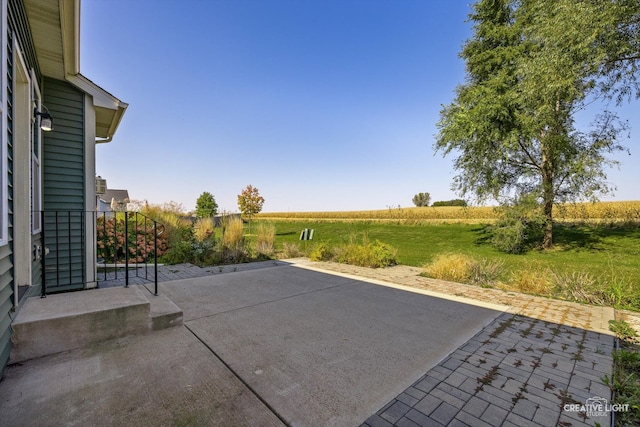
point(124, 239)
point(112, 243)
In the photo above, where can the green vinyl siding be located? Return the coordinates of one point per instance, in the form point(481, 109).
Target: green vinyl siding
point(6, 251)
point(6, 304)
point(63, 160)
point(19, 24)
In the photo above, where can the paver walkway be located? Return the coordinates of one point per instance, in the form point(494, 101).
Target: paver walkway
point(522, 370)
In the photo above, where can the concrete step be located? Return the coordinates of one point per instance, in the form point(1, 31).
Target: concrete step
point(83, 319)
point(164, 313)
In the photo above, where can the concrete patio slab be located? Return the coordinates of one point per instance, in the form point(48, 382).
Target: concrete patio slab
point(167, 378)
point(324, 350)
point(284, 345)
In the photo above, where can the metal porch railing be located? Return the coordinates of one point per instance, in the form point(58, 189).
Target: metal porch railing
point(124, 240)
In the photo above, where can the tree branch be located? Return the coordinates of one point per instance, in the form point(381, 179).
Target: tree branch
point(531, 158)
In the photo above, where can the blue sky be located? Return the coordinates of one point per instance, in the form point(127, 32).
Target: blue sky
point(321, 105)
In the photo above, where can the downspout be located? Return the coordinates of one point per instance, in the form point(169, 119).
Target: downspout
point(104, 140)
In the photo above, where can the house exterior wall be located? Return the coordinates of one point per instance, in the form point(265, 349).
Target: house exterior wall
point(6, 250)
point(58, 165)
point(64, 157)
point(17, 51)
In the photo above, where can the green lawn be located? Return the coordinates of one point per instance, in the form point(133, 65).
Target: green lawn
point(602, 251)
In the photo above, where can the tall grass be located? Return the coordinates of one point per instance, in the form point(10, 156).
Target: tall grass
point(266, 236)
point(465, 269)
point(204, 229)
point(535, 277)
point(233, 240)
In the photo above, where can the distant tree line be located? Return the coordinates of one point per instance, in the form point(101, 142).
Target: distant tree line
point(423, 199)
point(454, 202)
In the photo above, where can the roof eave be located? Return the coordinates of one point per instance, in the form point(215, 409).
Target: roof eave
point(58, 51)
point(70, 23)
point(109, 109)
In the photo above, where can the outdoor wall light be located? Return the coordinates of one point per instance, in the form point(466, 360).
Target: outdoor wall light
point(46, 121)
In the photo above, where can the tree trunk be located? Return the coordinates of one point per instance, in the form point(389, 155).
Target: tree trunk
point(547, 241)
point(548, 195)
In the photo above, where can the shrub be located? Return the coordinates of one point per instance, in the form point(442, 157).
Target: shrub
point(321, 252)
point(203, 252)
point(113, 242)
point(367, 254)
point(178, 254)
point(291, 250)
point(509, 238)
point(520, 225)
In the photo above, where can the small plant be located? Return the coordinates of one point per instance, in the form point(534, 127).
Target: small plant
point(321, 252)
point(625, 379)
point(577, 286)
point(623, 330)
point(291, 250)
point(621, 293)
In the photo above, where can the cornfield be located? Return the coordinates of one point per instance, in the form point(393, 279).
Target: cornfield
point(626, 212)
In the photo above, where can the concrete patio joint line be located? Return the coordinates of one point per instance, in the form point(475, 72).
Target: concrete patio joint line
point(235, 374)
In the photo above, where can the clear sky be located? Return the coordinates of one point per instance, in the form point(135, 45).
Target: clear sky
point(320, 104)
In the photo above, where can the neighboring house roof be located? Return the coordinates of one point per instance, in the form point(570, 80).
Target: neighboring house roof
point(55, 29)
point(117, 195)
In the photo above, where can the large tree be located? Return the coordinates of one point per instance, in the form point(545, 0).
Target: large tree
point(531, 65)
point(422, 199)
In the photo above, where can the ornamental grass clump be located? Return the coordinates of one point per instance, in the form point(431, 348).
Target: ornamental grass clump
point(533, 279)
point(266, 236)
point(463, 268)
point(233, 240)
point(451, 267)
point(291, 250)
point(204, 229)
